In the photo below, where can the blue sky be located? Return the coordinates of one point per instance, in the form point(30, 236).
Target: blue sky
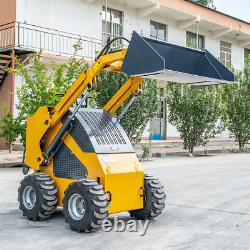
point(236, 8)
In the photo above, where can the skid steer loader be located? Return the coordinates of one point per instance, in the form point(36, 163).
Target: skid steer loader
point(82, 159)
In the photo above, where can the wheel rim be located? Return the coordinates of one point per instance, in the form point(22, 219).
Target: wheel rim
point(76, 207)
point(29, 197)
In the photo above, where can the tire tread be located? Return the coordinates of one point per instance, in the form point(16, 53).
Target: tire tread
point(47, 196)
point(153, 207)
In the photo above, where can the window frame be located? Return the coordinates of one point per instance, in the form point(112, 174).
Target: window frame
point(246, 54)
point(200, 46)
point(110, 23)
point(226, 51)
point(156, 37)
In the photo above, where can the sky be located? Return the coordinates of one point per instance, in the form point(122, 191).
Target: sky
point(236, 8)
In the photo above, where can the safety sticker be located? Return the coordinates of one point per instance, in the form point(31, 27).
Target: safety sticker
point(106, 158)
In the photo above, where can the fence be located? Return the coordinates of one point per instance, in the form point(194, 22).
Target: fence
point(33, 38)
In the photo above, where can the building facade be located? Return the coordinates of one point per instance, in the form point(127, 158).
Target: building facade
point(55, 26)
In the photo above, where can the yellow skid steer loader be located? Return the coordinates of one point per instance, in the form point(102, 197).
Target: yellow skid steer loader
point(82, 159)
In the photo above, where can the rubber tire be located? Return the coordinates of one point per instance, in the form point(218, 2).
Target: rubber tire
point(46, 196)
point(154, 199)
point(96, 202)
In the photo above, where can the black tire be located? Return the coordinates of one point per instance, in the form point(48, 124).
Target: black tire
point(95, 203)
point(154, 199)
point(45, 192)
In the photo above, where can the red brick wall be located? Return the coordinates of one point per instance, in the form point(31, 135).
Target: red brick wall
point(5, 101)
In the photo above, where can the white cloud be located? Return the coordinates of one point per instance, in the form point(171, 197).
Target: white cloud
point(239, 8)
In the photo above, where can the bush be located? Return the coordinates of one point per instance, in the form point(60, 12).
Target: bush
point(9, 128)
point(146, 151)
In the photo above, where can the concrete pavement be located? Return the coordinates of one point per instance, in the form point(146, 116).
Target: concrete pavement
point(10, 160)
point(208, 207)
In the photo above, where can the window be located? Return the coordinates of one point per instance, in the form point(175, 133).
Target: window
point(191, 41)
point(225, 53)
point(160, 113)
point(247, 54)
point(158, 31)
point(113, 26)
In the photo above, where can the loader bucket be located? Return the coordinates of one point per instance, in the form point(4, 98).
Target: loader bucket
point(164, 61)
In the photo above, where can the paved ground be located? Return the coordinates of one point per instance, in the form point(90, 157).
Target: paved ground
point(10, 160)
point(208, 208)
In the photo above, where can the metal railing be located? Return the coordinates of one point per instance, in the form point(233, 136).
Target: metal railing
point(33, 38)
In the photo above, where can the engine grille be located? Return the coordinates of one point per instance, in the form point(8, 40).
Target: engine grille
point(103, 128)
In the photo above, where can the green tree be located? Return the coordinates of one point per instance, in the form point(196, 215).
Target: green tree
point(195, 112)
point(236, 99)
point(9, 128)
point(143, 109)
point(42, 86)
point(206, 3)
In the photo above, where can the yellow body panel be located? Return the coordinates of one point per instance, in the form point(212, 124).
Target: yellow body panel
point(124, 180)
point(36, 127)
point(126, 191)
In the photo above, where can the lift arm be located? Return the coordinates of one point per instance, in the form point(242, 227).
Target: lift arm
point(144, 58)
point(132, 86)
point(86, 81)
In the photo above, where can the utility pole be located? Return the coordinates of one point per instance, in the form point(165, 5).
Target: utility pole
point(197, 31)
point(106, 10)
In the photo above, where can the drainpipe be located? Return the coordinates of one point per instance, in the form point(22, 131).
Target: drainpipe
point(197, 35)
point(12, 86)
point(106, 29)
point(197, 31)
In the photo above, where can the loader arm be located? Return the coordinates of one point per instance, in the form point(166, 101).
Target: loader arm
point(86, 81)
point(144, 58)
point(46, 118)
point(131, 86)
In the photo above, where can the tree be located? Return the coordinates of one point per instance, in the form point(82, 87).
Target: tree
point(236, 99)
point(41, 88)
point(143, 109)
point(206, 3)
point(195, 112)
point(9, 128)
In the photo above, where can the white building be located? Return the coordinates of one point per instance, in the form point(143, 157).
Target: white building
point(55, 25)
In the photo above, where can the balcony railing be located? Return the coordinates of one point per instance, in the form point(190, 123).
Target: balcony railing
point(33, 38)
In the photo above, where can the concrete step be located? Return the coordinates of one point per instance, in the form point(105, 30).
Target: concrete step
point(213, 147)
point(5, 56)
point(4, 62)
point(161, 144)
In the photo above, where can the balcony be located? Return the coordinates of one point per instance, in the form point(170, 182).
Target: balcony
point(27, 37)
